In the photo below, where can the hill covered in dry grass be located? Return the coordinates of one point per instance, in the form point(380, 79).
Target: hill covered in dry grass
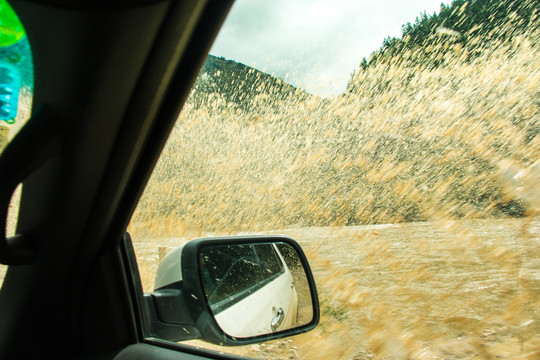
point(410, 144)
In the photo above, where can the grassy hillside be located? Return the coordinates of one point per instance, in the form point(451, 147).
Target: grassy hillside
point(469, 26)
point(237, 85)
point(410, 143)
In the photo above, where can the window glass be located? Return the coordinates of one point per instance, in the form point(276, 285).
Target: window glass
point(16, 89)
point(231, 270)
point(230, 273)
point(398, 142)
point(270, 263)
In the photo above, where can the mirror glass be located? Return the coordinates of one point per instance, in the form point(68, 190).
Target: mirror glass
point(255, 289)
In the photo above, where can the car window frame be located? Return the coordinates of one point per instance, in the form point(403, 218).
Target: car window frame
point(97, 298)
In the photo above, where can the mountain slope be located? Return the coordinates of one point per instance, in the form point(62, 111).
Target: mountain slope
point(466, 27)
point(240, 85)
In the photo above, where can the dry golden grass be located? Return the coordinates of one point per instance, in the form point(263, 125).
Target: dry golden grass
point(433, 150)
point(429, 143)
point(445, 289)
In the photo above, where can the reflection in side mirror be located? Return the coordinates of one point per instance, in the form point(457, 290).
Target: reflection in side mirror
point(233, 291)
point(255, 289)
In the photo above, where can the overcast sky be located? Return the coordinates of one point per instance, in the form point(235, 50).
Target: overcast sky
point(313, 44)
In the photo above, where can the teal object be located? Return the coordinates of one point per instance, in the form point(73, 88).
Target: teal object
point(11, 32)
point(10, 84)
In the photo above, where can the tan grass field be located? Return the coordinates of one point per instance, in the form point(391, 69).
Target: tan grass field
point(439, 290)
point(437, 143)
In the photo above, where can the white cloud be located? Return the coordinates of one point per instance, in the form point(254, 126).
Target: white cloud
point(314, 44)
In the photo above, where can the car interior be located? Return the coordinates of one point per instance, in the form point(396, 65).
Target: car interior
point(110, 80)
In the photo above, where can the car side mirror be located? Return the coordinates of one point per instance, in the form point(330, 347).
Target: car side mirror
point(233, 291)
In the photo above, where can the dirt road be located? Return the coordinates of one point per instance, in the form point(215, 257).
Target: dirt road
point(438, 290)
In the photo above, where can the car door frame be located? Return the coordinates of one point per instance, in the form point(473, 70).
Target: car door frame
point(78, 299)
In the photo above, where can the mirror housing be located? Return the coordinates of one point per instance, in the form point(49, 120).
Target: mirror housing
point(180, 308)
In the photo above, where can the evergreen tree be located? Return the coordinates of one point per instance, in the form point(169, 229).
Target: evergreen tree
point(459, 22)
